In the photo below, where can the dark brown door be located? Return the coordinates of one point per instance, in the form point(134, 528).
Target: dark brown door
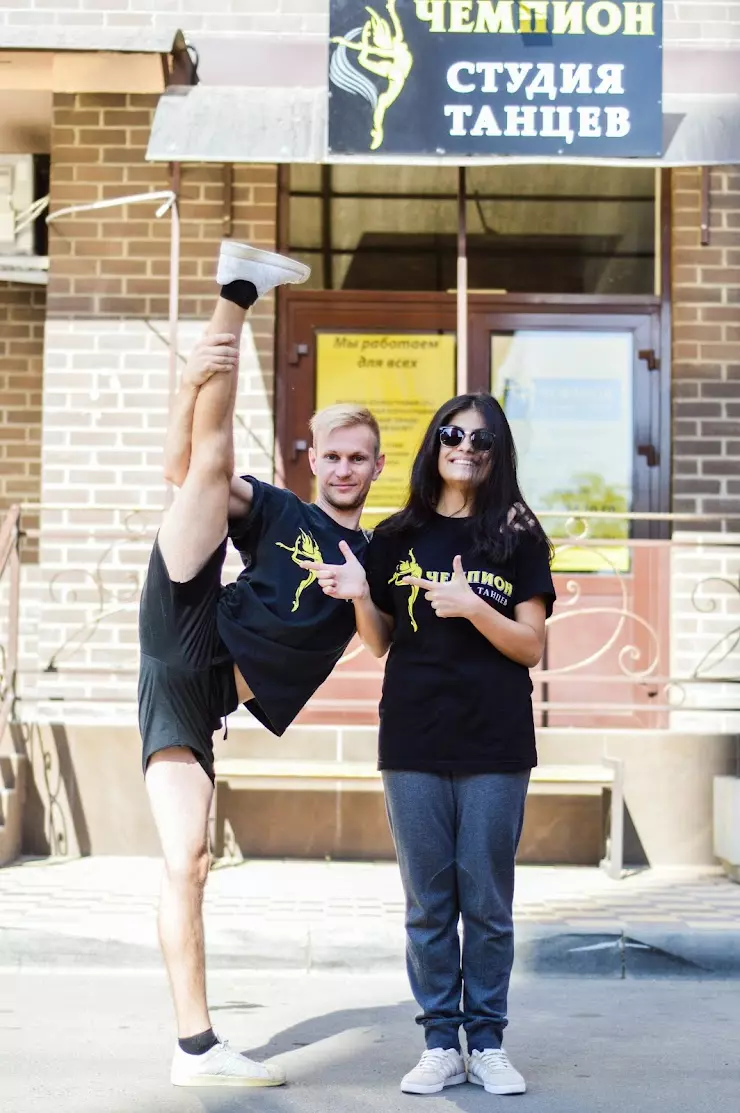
point(301, 318)
point(609, 638)
point(352, 693)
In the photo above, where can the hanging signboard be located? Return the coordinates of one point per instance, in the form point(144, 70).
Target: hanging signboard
point(549, 78)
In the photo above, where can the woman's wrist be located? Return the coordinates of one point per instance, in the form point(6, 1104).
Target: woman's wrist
point(364, 595)
point(478, 608)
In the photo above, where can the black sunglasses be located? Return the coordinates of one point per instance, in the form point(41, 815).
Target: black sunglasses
point(452, 436)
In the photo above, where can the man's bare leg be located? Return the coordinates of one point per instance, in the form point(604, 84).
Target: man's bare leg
point(180, 793)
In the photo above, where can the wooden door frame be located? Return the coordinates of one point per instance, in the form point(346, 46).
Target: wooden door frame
point(651, 482)
point(300, 313)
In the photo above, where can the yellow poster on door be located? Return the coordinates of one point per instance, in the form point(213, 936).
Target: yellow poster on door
point(403, 378)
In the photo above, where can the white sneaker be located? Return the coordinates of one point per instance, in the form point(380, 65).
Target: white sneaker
point(263, 268)
point(222, 1066)
point(493, 1070)
point(435, 1070)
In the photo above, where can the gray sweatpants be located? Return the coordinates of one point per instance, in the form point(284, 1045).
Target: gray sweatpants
point(456, 839)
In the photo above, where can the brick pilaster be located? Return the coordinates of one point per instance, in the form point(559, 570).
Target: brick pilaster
point(22, 309)
point(706, 346)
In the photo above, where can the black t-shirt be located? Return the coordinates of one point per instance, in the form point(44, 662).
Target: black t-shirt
point(283, 632)
point(452, 703)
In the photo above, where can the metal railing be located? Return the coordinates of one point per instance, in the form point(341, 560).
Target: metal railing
point(10, 577)
point(643, 628)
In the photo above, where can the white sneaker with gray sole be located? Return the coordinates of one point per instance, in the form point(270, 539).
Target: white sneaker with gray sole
point(493, 1070)
point(222, 1066)
point(436, 1069)
point(262, 268)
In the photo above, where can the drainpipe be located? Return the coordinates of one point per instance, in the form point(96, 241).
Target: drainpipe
point(462, 285)
point(174, 302)
point(169, 199)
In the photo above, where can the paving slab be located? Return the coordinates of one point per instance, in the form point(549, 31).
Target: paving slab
point(349, 916)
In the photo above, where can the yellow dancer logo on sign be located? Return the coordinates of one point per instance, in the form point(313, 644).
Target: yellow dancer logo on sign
point(304, 548)
point(382, 51)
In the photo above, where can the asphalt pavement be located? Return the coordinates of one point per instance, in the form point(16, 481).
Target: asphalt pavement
point(100, 1041)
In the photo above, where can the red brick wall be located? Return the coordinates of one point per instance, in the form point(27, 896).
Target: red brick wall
point(116, 262)
point(106, 375)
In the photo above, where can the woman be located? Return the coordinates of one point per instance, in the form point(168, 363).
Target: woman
point(459, 590)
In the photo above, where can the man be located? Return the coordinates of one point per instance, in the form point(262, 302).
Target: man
point(268, 640)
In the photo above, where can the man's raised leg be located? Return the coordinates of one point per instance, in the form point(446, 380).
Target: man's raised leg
point(244, 274)
point(180, 791)
point(203, 500)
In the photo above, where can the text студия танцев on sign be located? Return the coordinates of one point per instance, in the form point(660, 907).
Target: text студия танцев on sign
point(477, 77)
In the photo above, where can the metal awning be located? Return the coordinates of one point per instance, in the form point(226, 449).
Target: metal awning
point(220, 124)
point(244, 111)
point(269, 125)
point(127, 40)
point(60, 59)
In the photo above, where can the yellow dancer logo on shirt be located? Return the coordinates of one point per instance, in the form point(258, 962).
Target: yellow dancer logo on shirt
point(383, 51)
point(409, 568)
point(487, 584)
point(304, 548)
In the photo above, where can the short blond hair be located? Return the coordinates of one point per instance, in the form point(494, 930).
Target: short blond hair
point(344, 415)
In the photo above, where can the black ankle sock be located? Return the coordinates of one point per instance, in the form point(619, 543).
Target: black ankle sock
point(242, 293)
point(198, 1045)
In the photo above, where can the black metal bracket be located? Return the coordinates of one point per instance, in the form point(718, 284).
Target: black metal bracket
point(651, 454)
point(650, 358)
point(706, 204)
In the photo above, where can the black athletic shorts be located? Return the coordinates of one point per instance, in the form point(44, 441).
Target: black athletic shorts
point(186, 675)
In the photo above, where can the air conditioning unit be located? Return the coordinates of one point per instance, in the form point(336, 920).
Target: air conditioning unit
point(19, 212)
point(16, 198)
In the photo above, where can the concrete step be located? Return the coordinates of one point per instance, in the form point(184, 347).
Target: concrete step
point(13, 780)
point(5, 794)
point(9, 764)
point(300, 742)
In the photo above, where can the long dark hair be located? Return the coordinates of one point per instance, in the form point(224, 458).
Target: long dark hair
point(496, 531)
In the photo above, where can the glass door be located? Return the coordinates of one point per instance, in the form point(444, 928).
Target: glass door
point(582, 396)
point(569, 399)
